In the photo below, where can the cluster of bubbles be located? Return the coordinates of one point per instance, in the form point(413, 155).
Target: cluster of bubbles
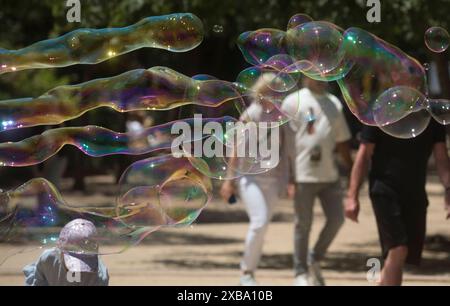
point(153, 193)
point(381, 85)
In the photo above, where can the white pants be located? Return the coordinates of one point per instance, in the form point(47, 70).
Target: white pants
point(259, 197)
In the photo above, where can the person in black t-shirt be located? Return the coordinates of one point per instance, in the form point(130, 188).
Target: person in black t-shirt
point(397, 191)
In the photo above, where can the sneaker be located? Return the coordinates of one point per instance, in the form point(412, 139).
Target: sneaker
point(316, 272)
point(302, 280)
point(248, 280)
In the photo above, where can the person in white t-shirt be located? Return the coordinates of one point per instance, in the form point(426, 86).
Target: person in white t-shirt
point(318, 130)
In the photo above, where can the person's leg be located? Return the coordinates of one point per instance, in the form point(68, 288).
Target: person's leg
point(305, 194)
point(414, 212)
point(331, 201)
point(392, 230)
point(259, 212)
point(392, 272)
point(413, 215)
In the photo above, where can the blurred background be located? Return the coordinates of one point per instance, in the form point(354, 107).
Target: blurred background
point(25, 22)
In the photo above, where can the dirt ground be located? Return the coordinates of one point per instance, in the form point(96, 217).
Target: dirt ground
point(208, 253)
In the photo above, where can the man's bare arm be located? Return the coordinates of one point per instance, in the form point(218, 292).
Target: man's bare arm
point(359, 172)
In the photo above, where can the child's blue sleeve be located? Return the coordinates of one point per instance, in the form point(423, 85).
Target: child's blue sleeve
point(103, 274)
point(34, 275)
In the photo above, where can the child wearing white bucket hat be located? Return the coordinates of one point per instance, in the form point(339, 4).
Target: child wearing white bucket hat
point(74, 262)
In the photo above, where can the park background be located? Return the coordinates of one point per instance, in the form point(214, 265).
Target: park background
point(209, 252)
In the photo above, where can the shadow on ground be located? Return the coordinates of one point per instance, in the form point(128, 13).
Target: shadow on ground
point(349, 262)
point(235, 216)
point(171, 238)
point(336, 261)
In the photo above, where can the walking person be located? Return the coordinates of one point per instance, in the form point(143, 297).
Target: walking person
point(397, 179)
point(258, 192)
point(319, 129)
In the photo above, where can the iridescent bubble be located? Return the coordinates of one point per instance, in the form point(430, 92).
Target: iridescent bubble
point(409, 126)
point(32, 215)
point(321, 45)
point(157, 192)
point(440, 110)
point(258, 86)
point(258, 46)
point(284, 79)
point(255, 145)
point(236, 149)
point(158, 88)
point(241, 153)
point(176, 32)
point(162, 191)
point(396, 103)
point(437, 39)
point(217, 28)
point(96, 141)
point(204, 77)
point(298, 19)
point(377, 67)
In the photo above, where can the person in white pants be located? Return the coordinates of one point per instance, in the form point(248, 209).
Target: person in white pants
point(259, 193)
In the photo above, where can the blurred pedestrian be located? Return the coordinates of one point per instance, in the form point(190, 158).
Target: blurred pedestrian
point(318, 129)
point(397, 181)
point(258, 192)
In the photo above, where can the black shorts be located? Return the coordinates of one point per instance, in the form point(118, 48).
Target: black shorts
point(401, 220)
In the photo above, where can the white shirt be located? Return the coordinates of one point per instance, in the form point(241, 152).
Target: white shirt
point(318, 125)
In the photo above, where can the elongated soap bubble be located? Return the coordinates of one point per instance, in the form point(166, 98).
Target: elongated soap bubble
point(176, 32)
point(377, 67)
point(95, 141)
point(158, 88)
point(437, 39)
point(32, 215)
point(440, 110)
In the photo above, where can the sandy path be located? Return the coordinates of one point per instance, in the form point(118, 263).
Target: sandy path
point(209, 253)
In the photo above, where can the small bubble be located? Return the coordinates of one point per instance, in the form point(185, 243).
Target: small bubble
point(437, 39)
